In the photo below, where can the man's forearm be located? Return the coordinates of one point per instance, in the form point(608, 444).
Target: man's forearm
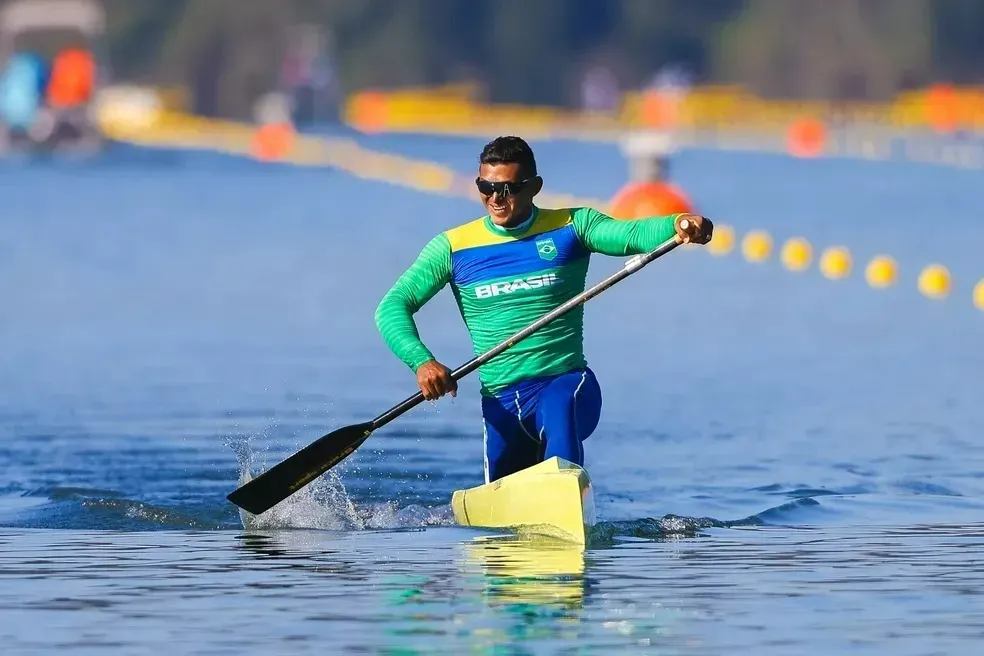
point(603, 234)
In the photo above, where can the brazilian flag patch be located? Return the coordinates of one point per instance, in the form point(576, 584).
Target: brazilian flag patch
point(546, 248)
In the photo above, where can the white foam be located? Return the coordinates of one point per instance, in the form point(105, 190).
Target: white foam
point(325, 504)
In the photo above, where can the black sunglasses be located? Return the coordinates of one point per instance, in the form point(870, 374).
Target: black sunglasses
point(487, 188)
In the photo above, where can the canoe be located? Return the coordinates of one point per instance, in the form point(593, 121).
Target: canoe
point(551, 499)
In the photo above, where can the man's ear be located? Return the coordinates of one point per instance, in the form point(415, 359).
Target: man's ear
point(537, 185)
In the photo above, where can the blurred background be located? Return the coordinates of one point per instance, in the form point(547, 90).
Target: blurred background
point(228, 52)
point(224, 58)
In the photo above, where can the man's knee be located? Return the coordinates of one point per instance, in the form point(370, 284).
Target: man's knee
point(587, 406)
point(574, 403)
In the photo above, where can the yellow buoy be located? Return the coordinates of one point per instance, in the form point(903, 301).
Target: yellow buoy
point(757, 246)
point(935, 282)
point(723, 241)
point(881, 272)
point(835, 263)
point(797, 254)
point(979, 295)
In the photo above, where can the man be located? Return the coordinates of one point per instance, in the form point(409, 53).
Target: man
point(506, 270)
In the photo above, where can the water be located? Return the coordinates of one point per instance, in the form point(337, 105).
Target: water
point(784, 463)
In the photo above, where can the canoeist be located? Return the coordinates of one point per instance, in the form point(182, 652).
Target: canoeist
point(507, 269)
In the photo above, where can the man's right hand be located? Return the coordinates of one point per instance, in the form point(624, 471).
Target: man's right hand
point(434, 380)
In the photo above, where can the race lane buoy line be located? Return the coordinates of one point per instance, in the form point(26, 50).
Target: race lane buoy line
point(796, 254)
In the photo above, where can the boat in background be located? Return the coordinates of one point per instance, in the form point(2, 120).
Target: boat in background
point(552, 499)
point(52, 66)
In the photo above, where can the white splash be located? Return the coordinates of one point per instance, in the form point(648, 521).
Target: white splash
point(326, 505)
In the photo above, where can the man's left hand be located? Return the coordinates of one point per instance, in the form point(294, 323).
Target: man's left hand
point(698, 229)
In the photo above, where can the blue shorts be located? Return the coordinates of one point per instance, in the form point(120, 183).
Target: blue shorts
point(540, 418)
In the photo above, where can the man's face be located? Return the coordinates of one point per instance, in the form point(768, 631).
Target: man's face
point(507, 209)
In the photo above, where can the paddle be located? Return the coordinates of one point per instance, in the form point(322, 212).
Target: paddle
point(276, 484)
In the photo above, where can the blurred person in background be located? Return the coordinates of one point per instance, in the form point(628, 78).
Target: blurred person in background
point(22, 90)
point(599, 90)
point(506, 270)
point(73, 78)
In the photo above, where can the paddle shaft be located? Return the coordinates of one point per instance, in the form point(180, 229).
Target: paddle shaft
point(631, 266)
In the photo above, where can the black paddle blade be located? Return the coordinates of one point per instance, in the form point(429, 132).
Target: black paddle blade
point(276, 484)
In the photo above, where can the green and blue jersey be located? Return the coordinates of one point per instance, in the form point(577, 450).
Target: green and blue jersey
point(503, 280)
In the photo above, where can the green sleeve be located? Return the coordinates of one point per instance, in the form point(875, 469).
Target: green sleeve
point(601, 233)
point(418, 284)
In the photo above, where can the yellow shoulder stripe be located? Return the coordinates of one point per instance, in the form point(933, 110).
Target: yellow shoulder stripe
point(549, 220)
point(474, 233)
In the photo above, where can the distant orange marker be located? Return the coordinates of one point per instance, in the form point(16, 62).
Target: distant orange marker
point(273, 141)
point(806, 137)
point(942, 108)
point(370, 111)
point(659, 110)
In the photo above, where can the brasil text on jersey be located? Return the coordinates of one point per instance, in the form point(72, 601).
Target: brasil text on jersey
point(520, 284)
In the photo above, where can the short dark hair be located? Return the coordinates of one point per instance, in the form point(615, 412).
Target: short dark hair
point(510, 150)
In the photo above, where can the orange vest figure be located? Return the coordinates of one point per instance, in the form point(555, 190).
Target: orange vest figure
point(73, 75)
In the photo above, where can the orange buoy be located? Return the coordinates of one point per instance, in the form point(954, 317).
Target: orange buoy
point(659, 110)
point(273, 141)
point(942, 108)
point(806, 137)
point(640, 199)
point(369, 112)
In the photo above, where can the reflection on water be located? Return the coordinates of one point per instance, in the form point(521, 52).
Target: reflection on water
point(541, 572)
point(502, 594)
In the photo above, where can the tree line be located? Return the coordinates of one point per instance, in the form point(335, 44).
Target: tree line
point(227, 52)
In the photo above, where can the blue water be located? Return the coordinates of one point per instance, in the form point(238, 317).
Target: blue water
point(784, 463)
